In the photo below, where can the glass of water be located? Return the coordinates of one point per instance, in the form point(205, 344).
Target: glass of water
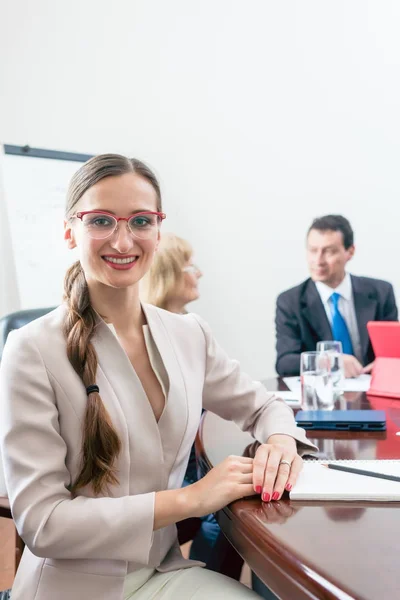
point(335, 351)
point(316, 381)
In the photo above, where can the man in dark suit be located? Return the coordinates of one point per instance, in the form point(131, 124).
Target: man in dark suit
point(332, 304)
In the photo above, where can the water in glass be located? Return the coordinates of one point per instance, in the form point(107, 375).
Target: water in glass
point(317, 390)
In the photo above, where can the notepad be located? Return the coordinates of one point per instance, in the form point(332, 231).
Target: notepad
point(316, 482)
point(291, 398)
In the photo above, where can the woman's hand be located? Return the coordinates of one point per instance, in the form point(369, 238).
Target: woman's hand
point(230, 480)
point(276, 467)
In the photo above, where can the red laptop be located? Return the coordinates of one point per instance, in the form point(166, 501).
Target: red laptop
point(385, 340)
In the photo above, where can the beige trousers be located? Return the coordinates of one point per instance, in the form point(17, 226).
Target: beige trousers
point(185, 584)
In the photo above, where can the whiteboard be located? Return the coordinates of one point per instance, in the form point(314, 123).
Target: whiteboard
point(35, 195)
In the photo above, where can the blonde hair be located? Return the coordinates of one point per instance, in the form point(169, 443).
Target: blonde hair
point(165, 273)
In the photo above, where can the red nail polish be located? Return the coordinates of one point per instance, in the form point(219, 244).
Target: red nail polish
point(258, 489)
point(289, 487)
point(265, 497)
point(275, 496)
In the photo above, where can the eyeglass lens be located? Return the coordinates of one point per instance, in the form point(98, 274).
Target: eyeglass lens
point(101, 225)
point(191, 269)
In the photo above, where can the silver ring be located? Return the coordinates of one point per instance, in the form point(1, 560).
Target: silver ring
point(285, 462)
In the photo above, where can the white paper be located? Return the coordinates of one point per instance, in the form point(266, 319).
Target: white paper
point(357, 384)
point(291, 398)
point(351, 384)
point(293, 384)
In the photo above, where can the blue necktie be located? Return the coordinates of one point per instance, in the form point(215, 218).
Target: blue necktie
point(339, 328)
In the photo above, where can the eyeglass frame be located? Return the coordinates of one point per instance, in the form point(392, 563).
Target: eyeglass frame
point(191, 269)
point(79, 215)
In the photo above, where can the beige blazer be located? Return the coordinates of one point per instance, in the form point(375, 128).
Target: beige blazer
point(83, 547)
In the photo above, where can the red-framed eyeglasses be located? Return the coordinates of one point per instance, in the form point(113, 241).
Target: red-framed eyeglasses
point(100, 224)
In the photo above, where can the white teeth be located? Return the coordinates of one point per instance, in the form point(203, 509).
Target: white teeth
point(120, 261)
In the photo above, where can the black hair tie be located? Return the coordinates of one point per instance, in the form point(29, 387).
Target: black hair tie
point(92, 388)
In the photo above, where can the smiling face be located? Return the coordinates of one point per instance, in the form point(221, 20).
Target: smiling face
point(120, 260)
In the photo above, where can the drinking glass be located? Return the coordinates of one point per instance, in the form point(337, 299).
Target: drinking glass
point(335, 351)
point(316, 381)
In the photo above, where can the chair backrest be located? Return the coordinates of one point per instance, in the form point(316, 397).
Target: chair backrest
point(18, 319)
point(8, 323)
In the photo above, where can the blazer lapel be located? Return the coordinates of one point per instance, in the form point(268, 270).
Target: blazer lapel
point(365, 304)
point(314, 312)
point(173, 422)
point(129, 408)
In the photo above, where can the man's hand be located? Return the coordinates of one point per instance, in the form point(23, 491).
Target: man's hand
point(368, 368)
point(352, 368)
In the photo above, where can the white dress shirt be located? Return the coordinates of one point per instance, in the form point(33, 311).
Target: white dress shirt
point(346, 308)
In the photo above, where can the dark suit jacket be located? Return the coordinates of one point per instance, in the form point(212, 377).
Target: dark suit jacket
point(301, 319)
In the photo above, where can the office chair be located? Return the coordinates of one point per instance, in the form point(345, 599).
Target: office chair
point(18, 319)
point(8, 323)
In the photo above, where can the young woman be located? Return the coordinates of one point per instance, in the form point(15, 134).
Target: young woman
point(100, 404)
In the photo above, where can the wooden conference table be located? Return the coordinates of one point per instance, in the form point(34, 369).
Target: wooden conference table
point(330, 550)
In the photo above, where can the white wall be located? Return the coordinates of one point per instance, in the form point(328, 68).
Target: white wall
point(9, 293)
point(257, 116)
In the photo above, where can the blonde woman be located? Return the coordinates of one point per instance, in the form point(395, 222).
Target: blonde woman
point(171, 283)
point(172, 280)
point(100, 403)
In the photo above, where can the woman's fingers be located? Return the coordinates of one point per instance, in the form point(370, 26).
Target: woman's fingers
point(247, 490)
point(243, 478)
point(295, 469)
point(288, 470)
point(271, 472)
point(282, 477)
point(259, 463)
point(235, 464)
point(244, 459)
point(247, 470)
point(275, 468)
